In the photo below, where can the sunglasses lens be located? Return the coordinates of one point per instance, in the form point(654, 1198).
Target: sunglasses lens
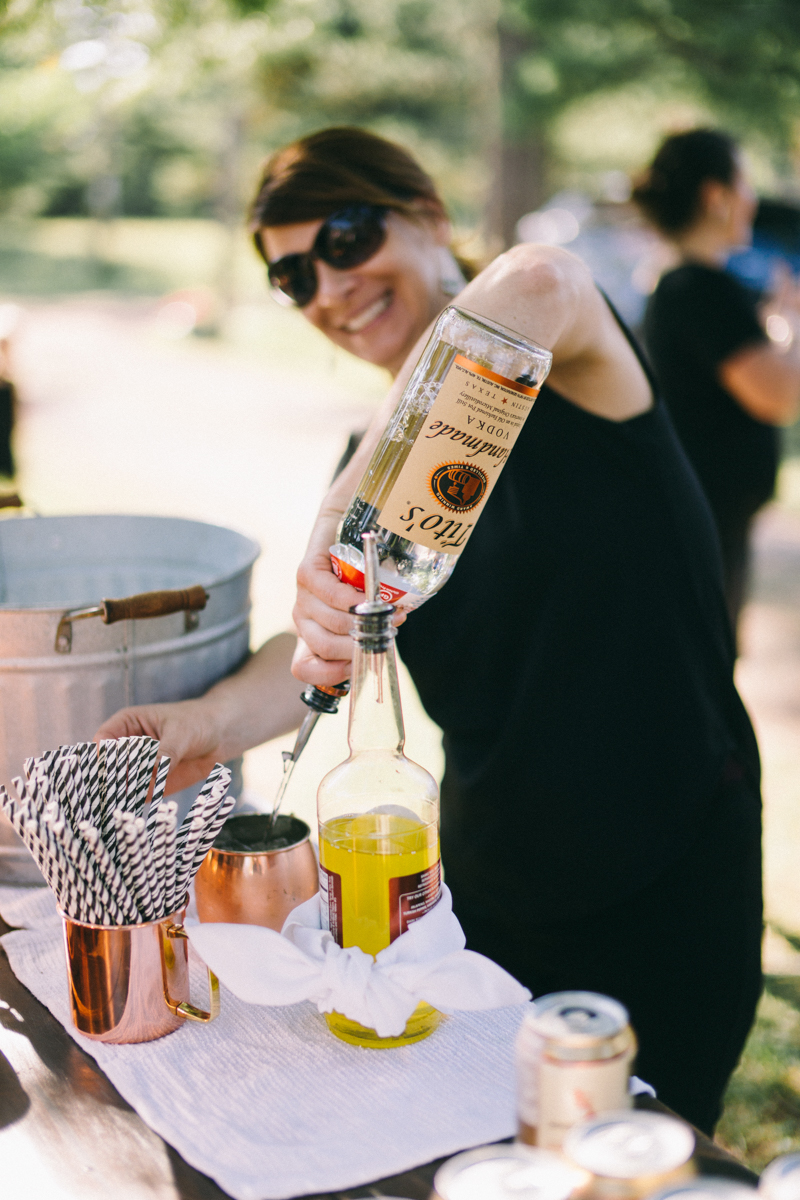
point(347, 239)
point(350, 237)
point(295, 278)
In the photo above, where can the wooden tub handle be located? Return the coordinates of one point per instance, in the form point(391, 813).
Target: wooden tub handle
point(154, 604)
point(135, 608)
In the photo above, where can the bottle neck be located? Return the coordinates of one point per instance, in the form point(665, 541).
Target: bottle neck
point(376, 718)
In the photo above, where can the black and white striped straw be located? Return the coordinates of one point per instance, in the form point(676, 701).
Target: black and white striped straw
point(80, 811)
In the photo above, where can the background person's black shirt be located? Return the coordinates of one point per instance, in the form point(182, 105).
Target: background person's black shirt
point(697, 318)
point(580, 664)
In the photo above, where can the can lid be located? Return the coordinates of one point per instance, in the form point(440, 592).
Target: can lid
point(706, 1189)
point(630, 1144)
point(781, 1179)
point(507, 1173)
point(577, 1019)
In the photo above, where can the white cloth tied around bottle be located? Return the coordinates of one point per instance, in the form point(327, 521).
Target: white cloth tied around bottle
point(303, 962)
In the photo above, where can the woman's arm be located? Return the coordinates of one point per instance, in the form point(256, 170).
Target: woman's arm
point(547, 296)
point(766, 381)
point(259, 702)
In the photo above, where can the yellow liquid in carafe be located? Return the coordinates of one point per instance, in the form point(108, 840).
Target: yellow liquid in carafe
point(367, 852)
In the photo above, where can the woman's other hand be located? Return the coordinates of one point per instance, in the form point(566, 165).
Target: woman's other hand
point(186, 731)
point(258, 702)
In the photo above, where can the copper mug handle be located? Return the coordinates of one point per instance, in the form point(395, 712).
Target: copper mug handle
point(182, 1008)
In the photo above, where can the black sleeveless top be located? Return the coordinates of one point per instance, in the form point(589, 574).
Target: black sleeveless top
point(580, 663)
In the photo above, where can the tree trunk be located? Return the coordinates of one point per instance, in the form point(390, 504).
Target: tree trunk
point(520, 158)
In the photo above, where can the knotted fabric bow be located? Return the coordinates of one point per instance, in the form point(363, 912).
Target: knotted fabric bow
point(303, 962)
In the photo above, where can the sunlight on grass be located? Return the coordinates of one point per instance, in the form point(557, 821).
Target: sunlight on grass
point(762, 1104)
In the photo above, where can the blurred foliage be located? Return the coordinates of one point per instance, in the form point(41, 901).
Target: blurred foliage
point(172, 103)
point(742, 58)
point(165, 107)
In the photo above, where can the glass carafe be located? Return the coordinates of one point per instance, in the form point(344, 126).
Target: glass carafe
point(378, 823)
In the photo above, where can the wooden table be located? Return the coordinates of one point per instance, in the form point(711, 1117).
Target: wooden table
point(67, 1134)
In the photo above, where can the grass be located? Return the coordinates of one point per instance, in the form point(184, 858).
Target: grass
point(762, 1105)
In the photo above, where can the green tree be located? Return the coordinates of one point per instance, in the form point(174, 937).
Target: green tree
point(742, 57)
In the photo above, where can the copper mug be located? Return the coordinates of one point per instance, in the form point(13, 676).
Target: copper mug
point(257, 887)
point(130, 983)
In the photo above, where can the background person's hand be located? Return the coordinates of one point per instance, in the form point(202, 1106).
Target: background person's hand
point(185, 732)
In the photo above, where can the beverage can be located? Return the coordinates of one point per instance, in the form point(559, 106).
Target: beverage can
point(781, 1179)
point(574, 1053)
point(706, 1189)
point(632, 1154)
point(507, 1173)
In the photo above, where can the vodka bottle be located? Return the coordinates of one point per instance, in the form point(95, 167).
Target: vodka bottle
point(378, 823)
point(440, 455)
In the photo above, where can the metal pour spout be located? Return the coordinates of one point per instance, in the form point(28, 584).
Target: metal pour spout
point(326, 699)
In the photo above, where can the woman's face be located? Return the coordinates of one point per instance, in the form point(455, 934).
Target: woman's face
point(743, 209)
point(378, 310)
point(732, 208)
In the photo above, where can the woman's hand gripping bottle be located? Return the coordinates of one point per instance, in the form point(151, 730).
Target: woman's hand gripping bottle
point(378, 821)
point(440, 455)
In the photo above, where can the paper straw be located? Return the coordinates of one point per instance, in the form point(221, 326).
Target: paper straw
point(110, 872)
point(147, 763)
point(161, 782)
point(90, 766)
point(168, 815)
point(80, 813)
point(209, 837)
point(64, 879)
point(165, 821)
point(65, 775)
point(135, 871)
point(110, 797)
point(121, 773)
point(185, 874)
point(209, 797)
point(90, 885)
point(133, 802)
point(149, 866)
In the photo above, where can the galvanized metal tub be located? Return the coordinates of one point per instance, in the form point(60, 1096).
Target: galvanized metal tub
point(50, 566)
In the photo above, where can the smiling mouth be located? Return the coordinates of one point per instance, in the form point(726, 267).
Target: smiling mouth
point(369, 314)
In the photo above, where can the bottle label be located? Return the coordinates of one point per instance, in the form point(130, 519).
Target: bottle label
point(457, 457)
point(411, 896)
point(349, 574)
point(330, 903)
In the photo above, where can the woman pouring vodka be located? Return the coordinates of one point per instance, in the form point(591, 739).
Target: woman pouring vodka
point(600, 804)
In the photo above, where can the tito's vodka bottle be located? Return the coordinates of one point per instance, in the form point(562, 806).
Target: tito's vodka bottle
point(440, 455)
point(378, 824)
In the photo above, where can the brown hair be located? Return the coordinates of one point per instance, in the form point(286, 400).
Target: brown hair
point(670, 192)
point(318, 175)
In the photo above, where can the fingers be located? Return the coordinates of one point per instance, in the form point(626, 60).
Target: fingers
point(311, 668)
point(190, 770)
point(316, 580)
point(129, 722)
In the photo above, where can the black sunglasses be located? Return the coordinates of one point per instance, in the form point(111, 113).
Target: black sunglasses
point(347, 239)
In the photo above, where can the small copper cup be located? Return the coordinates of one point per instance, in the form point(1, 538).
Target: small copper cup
point(130, 983)
point(259, 887)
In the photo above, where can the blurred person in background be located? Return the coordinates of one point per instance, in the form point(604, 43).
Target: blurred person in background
point(726, 384)
point(9, 319)
point(600, 804)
